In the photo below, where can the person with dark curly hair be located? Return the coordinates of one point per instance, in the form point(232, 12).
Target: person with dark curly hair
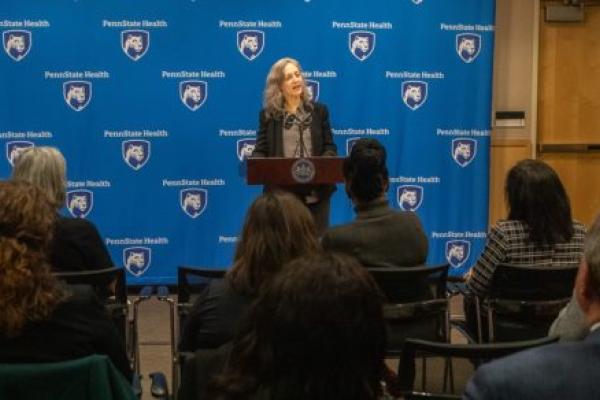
point(380, 236)
point(316, 332)
point(40, 320)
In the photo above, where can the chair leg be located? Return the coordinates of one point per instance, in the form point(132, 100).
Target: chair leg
point(423, 373)
point(479, 322)
point(490, 324)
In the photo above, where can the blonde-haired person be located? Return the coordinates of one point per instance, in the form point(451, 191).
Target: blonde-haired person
point(76, 244)
point(40, 320)
point(277, 229)
point(292, 125)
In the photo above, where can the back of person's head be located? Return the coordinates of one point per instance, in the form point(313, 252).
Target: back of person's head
point(277, 229)
point(27, 288)
point(365, 170)
point(44, 167)
point(537, 197)
point(316, 332)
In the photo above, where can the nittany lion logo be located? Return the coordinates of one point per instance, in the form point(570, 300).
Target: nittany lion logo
point(193, 93)
point(362, 44)
point(135, 43)
point(350, 144)
point(77, 94)
point(16, 43)
point(457, 252)
point(245, 148)
point(414, 93)
point(464, 151)
point(312, 87)
point(80, 203)
point(410, 197)
point(468, 46)
point(417, 2)
point(15, 148)
point(136, 153)
point(137, 259)
point(193, 201)
point(250, 43)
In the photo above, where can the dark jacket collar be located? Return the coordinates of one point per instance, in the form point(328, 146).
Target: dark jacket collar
point(374, 209)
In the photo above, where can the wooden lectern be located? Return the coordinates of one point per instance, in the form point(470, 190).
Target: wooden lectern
point(295, 174)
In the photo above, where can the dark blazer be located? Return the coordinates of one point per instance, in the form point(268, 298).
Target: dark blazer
point(215, 317)
point(77, 246)
point(557, 371)
point(269, 138)
point(78, 327)
point(380, 237)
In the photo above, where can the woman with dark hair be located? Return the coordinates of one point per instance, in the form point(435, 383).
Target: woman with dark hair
point(539, 230)
point(317, 332)
point(380, 236)
point(292, 125)
point(278, 228)
point(41, 321)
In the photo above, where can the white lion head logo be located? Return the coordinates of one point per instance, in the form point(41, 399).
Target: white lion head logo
point(247, 150)
point(362, 44)
point(414, 93)
point(250, 43)
point(193, 93)
point(15, 149)
point(135, 43)
point(137, 259)
point(193, 201)
point(78, 204)
point(17, 44)
point(457, 252)
point(77, 94)
point(410, 197)
point(468, 46)
point(463, 151)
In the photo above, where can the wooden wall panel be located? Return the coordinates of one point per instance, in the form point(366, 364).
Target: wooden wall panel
point(580, 174)
point(504, 154)
point(569, 81)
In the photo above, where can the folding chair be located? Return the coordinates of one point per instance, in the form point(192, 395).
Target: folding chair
point(473, 354)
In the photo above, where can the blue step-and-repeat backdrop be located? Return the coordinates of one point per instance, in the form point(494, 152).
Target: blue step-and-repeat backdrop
point(155, 103)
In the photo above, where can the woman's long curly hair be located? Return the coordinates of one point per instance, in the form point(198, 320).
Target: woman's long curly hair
point(316, 332)
point(28, 291)
point(274, 102)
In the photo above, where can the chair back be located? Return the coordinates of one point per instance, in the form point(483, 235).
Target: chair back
point(523, 282)
point(192, 280)
point(524, 300)
point(470, 355)
point(99, 279)
point(408, 284)
point(92, 377)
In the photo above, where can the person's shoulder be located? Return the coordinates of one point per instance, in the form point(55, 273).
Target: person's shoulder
point(79, 300)
point(74, 223)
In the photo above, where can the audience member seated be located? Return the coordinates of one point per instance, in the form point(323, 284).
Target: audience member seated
point(380, 236)
point(539, 230)
point(316, 332)
point(278, 228)
point(558, 371)
point(41, 321)
point(76, 244)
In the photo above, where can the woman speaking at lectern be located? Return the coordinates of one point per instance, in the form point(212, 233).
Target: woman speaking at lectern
point(292, 125)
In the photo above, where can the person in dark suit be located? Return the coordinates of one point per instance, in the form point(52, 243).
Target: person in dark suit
point(558, 371)
point(42, 321)
point(278, 228)
point(76, 244)
point(292, 125)
point(380, 236)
